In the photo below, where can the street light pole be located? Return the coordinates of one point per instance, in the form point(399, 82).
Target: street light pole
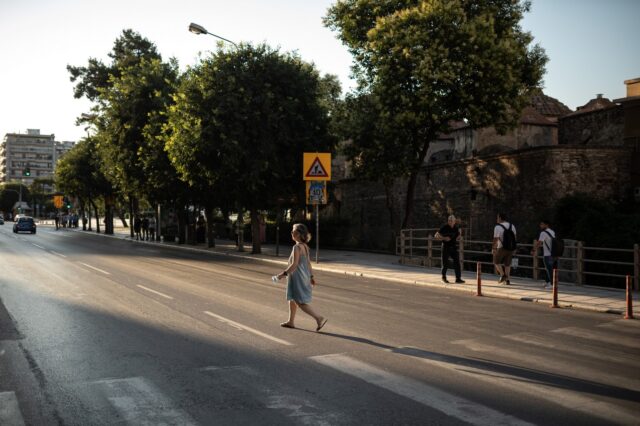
point(199, 29)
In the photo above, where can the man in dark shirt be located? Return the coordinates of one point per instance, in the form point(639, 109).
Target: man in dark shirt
point(449, 234)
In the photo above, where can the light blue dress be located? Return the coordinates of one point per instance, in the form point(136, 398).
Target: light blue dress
point(299, 281)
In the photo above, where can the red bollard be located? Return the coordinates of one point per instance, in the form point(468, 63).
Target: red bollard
point(479, 278)
point(555, 289)
point(629, 314)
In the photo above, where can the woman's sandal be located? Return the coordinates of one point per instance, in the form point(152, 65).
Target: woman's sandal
point(286, 325)
point(322, 323)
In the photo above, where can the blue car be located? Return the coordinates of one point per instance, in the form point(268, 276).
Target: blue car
point(24, 224)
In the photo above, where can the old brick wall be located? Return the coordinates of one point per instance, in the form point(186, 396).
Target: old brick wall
point(524, 184)
point(604, 127)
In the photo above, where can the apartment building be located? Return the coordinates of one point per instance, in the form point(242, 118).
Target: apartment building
point(32, 150)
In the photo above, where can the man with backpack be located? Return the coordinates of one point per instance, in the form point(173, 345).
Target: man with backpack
point(504, 245)
point(551, 250)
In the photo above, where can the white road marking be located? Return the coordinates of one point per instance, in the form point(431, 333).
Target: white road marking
point(140, 403)
point(451, 405)
point(599, 337)
point(247, 328)
point(39, 246)
point(571, 400)
point(155, 292)
point(10, 414)
point(286, 400)
point(242, 368)
point(93, 267)
point(57, 254)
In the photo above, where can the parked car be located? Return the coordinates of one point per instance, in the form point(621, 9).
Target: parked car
point(24, 224)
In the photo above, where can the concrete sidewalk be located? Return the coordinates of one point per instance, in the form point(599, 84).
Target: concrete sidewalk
point(386, 267)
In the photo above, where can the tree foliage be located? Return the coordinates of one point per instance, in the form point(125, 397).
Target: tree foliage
point(242, 119)
point(428, 63)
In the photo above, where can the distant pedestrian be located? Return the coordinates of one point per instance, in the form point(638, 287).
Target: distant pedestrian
point(300, 281)
point(145, 228)
point(137, 225)
point(450, 235)
point(56, 219)
point(546, 240)
point(152, 228)
point(504, 245)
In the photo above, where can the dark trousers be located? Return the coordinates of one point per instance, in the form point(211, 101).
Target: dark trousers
point(549, 265)
point(450, 252)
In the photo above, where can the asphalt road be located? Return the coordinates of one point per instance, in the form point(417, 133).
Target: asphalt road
point(95, 330)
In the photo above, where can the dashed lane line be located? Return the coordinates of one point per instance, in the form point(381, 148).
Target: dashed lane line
point(93, 267)
point(39, 246)
point(155, 292)
point(449, 404)
point(247, 328)
point(57, 254)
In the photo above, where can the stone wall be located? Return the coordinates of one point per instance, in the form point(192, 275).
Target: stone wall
point(602, 127)
point(524, 184)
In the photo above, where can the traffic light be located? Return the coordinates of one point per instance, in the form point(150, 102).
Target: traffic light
point(26, 172)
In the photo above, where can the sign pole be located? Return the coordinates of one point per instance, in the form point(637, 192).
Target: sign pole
point(317, 231)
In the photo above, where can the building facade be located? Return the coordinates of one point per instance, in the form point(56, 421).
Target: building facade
point(34, 151)
point(474, 173)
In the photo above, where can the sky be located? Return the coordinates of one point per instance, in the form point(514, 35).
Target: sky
point(592, 46)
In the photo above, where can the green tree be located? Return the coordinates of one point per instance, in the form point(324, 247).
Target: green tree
point(428, 63)
point(126, 93)
point(80, 174)
point(242, 120)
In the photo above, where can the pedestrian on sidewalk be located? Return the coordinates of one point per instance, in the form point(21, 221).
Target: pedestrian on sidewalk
point(504, 245)
point(545, 240)
point(145, 228)
point(152, 227)
point(137, 224)
point(56, 218)
point(450, 234)
point(300, 281)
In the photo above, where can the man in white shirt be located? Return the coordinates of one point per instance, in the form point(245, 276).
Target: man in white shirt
point(502, 255)
point(545, 240)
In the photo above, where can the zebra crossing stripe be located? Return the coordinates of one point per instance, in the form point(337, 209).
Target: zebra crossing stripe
point(10, 414)
point(430, 396)
point(140, 403)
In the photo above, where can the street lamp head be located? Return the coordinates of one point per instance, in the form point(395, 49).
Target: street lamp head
point(197, 29)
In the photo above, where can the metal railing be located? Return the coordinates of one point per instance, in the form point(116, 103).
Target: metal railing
point(419, 247)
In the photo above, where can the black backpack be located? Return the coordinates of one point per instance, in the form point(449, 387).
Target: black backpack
point(557, 245)
point(508, 238)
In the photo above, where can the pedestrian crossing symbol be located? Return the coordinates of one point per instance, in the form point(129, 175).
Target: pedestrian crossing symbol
point(316, 166)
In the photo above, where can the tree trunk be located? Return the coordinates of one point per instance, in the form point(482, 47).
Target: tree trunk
point(182, 221)
point(131, 215)
point(95, 209)
point(89, 203)
point(255, 232)
point(388, 189)
point(211, 238)
point(122, 218)
point(83, 214)
point(108, 216)
point(411, 185)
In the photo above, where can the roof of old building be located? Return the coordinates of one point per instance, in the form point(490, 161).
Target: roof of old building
point(595, 104)
point(548, 106)
point(530, 115)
